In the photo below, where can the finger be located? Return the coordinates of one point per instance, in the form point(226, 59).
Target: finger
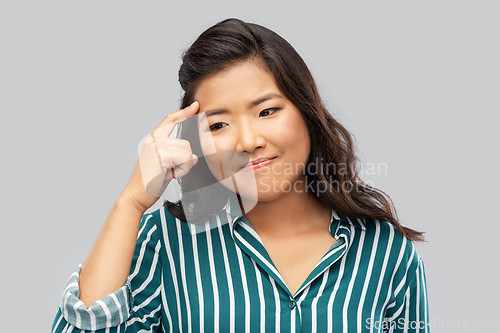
point(180, 115)
point(172, 144)
point(164, 146)
point(167, 144)
point(184, 168)
point(181, 170)
point(152, 170)
point(172, 152)
point(174, 158)
point(157, 157)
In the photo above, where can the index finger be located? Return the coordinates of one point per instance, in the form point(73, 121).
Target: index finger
point(180, 115)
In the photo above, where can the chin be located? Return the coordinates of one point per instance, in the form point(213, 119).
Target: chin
point(265, 195)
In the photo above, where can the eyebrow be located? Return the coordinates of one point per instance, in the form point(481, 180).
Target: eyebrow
point(251, 105)
point(263, 99)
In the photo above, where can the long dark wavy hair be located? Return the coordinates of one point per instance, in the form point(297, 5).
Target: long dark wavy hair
point(233, 41)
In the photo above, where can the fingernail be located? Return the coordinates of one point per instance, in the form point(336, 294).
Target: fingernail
point(192, 104)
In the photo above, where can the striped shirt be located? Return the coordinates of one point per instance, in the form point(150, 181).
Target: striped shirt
point(221, 279)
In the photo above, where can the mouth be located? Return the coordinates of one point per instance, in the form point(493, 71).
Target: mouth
point(258, 164)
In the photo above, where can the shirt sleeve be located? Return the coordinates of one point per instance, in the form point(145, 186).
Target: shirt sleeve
point(410, 309)
point(135, 306)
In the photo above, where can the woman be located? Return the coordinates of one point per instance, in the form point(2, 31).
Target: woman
point(287, 239)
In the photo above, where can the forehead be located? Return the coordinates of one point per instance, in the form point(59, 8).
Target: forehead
point(238, 84)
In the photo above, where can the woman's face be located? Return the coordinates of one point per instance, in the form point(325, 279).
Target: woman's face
point(245, 118)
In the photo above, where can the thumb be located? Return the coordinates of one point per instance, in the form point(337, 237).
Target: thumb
point(194, 158)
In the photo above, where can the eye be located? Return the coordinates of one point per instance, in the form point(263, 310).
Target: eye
point(268, 112)
point(217, 126)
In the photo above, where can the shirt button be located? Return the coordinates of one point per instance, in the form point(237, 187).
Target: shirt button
point(292, 304)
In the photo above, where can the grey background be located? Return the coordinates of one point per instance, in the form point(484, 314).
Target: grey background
point(82, 82)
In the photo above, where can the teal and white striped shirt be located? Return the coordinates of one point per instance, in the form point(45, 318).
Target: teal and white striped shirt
point(223, 280)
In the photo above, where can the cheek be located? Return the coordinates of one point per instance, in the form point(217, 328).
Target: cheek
point(207, 146)
point(292, 135)
point(221, 157)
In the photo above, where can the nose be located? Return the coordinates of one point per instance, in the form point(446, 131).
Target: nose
point(250, 137)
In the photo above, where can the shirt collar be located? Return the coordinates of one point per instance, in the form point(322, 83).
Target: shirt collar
point(343, 227)
point(357, 223)
point(233, 211)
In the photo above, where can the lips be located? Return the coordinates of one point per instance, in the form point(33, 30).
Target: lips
point(259, 163)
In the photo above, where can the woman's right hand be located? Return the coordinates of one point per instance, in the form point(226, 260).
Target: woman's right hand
point(161, 158)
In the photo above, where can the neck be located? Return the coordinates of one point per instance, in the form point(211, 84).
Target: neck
point(289, 214)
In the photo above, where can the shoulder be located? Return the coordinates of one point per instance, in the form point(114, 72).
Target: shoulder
point(395, 250)
point(153, 224)
point(170, 229)
point(387, 232)
point(160, 219)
